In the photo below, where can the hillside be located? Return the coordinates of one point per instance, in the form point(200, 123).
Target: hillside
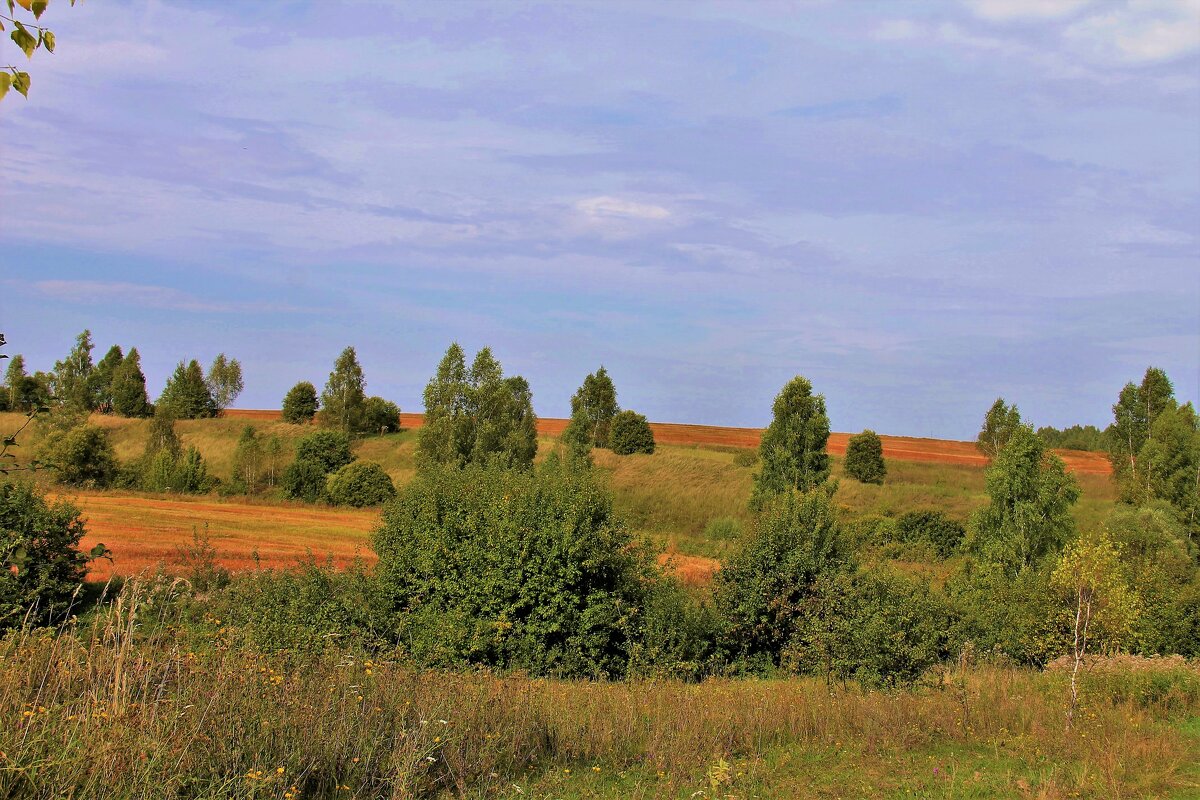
point(672, 497)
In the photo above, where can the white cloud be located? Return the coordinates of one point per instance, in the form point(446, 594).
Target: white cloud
point(1007, 10)
point(895, 30)
point(147, 296)
point(609, 207)
point(1140, 31)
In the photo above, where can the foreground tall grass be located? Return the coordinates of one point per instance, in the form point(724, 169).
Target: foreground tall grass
point(133, 704)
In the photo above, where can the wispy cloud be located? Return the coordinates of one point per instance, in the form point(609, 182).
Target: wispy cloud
point(153, 297)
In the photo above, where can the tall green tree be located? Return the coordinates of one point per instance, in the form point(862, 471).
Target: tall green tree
point(1134, 413)
point(14, 378)
point(594, 405)
point(344, 398)
point(1029, 516)
point(128, 387)
point(186, 395)
point(477, 415)
point(999, 424)
point(792, 450)
point(102, 377)
point(225, 381)
point(73, 384)
point(300, 404)
point(1170, 460)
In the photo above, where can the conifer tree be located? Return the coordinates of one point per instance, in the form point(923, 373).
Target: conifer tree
point(102, 378)
point(128, 388)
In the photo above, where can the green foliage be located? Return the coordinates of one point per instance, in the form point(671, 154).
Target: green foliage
point(878, 628)
point(73, 384)
point(343, 399)
point(577, 442)
point(309, 609)
point(82, 456)
point(380, 416)
point(999, 425)
point(28, 36)
point(224, 381)
point(864, 458)
point(1089, 579)
point(678, 635)
point(1170, 462)
point(765, 591)
point(41, 567)
point(102, 378)
point(593, 407)
point(517, 569)
point(362, 483)
point(187, 395)
point(128, 387)
point(1029, 516)
point(304, 480)
point(247, 461)
point(631, 434)
point(793, 445)
point(1134, 414)
point(723, 529)
point(300, 404)
point(328, 449)
point(1076, 437)
point(477, 415)
point(1159, 560)
point(934, 527)
point(165, 466)
point(1013, 615)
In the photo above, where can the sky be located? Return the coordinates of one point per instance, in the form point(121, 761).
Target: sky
point(919, 206)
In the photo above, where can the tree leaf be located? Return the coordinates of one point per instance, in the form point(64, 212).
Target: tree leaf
point(48, 40)
point(5, 82)
point(38, 7)
point(24, 40)
point(25, 4)
point(20, 82)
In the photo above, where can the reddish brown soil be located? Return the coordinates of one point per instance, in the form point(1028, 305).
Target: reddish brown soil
point(901, 448)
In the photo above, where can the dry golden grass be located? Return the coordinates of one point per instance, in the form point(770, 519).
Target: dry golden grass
point(132, 707)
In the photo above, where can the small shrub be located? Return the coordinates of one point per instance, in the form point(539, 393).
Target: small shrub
point(933, 527)
point(380, 416)
point(677, 635)
point(723, 529)
point(362, 483)
point(745, 458)
point(199, 559)
point(83, 457)
point(304, 479)
point(300, 404)
point(630, 433)
point(864, 458)
point(328, 449)
point(41, 566)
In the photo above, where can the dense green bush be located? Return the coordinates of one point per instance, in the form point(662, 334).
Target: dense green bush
point(380, 416)
point(41, 566)
point(934, 527)
point(359, 484)
point(766, 589)
point(723, 529)
point(515, 569)
point(300, 404)
point(877, 627)
point(678, 635)
point(330, 450)
point(864, 458)
point(1013, 615)
point(311, 608)
point(304, 479)
point(83, 457)
point(630, 433)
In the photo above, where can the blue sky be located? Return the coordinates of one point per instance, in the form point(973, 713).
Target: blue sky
point(918, 206)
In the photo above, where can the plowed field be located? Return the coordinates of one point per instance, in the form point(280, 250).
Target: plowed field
point(902, 448)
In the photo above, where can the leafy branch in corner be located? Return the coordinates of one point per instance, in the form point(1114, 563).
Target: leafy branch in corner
point(28, 37)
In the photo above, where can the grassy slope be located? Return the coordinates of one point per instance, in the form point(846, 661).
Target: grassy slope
point(669, 497)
